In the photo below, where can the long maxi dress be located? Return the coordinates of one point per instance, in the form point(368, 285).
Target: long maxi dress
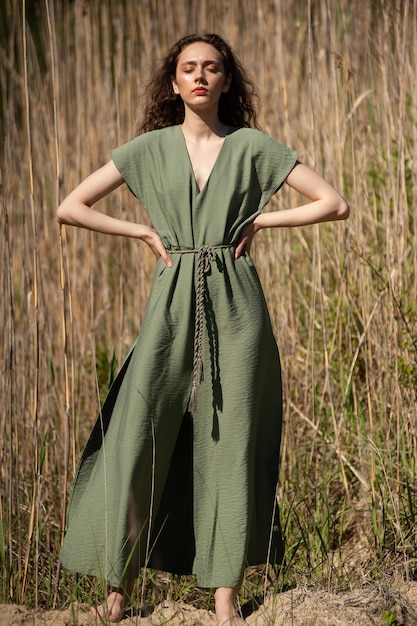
point(155, 485)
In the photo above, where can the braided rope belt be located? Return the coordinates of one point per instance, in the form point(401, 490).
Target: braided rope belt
point(205, 256)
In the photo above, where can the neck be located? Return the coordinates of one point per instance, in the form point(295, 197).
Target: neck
point(199, 127)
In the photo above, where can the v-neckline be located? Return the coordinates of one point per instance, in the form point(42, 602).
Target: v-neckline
point(192, 172)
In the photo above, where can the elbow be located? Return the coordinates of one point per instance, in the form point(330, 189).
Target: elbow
point(343, 210)
point(58, 216)
point(61, 214)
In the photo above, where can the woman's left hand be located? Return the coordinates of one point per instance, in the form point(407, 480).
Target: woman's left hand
point(245, 241)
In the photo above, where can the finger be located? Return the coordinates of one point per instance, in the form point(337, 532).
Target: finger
point(240, 248)
point(166, 258)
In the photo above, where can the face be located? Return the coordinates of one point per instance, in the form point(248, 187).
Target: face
point(200, 78)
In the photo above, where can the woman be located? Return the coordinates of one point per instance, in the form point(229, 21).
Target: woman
point(181, 468)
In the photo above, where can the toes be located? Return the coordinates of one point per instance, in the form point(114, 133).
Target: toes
point(235, 620)
point(111, 610)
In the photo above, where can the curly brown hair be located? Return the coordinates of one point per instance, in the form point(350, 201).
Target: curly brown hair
point(165, 108)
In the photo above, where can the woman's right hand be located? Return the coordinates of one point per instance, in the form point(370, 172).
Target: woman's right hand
point(154, 241)
point(76, 210)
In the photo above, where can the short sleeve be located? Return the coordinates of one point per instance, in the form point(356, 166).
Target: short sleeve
point(127, 158)
point(273, 163)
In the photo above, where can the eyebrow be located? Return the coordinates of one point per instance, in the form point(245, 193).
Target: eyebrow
point(193, 62)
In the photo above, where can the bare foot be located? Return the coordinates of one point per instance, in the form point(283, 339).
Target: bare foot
point(112, 609)
point(227, 613)
point(235, 620)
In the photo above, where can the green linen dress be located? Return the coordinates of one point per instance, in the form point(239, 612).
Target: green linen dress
point(157, 485)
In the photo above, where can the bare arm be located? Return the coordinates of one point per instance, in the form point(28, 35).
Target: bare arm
point(76, 210)
point(326, 204)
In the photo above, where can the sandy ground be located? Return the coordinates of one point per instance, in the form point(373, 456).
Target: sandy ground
point(373, 605)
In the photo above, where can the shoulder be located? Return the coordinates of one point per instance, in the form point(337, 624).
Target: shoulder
point(257, 139)
point(271, 159)
point(144, 148)
point(148, 139)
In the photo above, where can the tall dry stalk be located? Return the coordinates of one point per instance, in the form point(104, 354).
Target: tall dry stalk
point(34, 302)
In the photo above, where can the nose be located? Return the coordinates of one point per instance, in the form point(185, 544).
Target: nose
point(200, 77)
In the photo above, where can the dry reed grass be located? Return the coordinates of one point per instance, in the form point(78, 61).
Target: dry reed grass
point(338, 82)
